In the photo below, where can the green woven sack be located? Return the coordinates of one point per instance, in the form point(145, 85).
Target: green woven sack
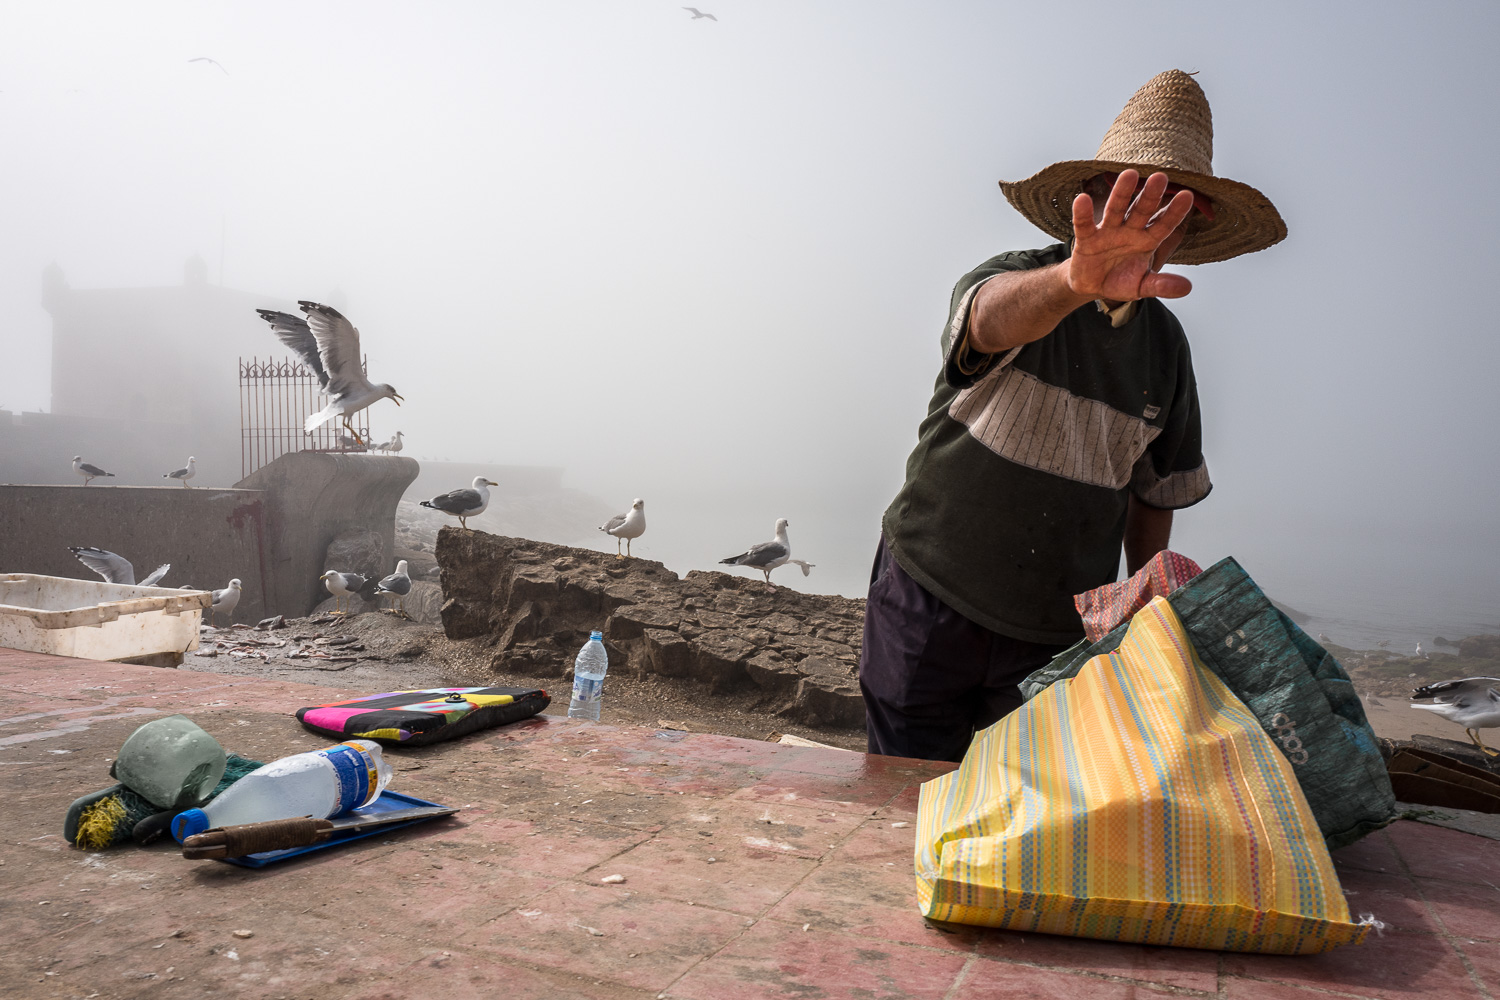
point(1295, 687)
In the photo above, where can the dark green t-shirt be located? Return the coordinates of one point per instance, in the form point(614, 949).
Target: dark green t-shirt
point(1016, 494)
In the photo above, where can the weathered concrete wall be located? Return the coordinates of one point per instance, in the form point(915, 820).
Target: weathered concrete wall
point(209, 536)
point(314, 498)
point(539, 601)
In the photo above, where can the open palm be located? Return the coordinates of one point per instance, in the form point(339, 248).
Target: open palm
point(1115, 258)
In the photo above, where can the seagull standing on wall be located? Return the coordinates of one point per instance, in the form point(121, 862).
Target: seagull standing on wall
point(185, 473)
point(629, 525)
point(88, 471)
point(767, 555)
point(329, 344)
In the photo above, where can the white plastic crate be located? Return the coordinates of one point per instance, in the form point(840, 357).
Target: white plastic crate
point(95, 620)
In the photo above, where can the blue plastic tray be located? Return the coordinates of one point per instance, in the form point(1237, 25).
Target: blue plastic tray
point(388, 802)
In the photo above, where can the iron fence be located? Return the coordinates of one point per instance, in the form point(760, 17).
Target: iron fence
point(276, 396)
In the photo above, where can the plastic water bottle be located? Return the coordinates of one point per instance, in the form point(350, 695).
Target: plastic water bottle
point(320, 784)
point(588, 679)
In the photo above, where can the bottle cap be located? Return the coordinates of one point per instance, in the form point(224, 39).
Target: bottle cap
point(596, 635)
point(189, 822)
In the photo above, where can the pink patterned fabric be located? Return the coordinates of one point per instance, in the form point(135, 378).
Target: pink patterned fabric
point(1106, 607)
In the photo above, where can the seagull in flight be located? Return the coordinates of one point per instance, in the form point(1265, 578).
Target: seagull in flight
point(205, 59)
point(766, 556)
point(114, 568)
point(691, 10)
point(329, 345)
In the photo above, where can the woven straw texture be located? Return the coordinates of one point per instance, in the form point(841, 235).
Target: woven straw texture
point(1166, 126)
point(1139, 801)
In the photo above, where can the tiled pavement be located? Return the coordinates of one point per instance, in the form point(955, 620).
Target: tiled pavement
point(751, 870)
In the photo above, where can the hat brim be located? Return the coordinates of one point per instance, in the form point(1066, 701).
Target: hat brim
point(1244, 219)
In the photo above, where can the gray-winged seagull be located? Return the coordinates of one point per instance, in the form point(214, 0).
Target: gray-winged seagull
point(225, 601)
point(464, 504)
point(629, 525)
point(1473, 702)
point(767, 555)
point(185, 473)
point(329, 344)
point(115, 568)
point(397, 585)
point(346, 585)
point(88, 471)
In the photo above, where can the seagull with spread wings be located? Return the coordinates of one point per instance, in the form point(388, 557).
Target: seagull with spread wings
point(698, 13)
point(329, 345)
point(115, 568)
point(206, 59)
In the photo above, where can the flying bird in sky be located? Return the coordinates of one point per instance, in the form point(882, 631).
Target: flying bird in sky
point(767, 555)
point(205, 59)
point(698, 13)
point(115, 568)
point(329, 344)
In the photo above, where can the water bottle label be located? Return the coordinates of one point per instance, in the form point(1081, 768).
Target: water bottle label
point(587, 689)
point(358, 780)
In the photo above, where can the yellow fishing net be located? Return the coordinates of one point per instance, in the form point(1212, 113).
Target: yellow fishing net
point(1140, 801)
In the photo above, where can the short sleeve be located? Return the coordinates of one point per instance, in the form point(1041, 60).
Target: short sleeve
point(963, 367)
point(1172, 473)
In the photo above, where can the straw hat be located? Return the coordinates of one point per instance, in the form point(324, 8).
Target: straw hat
point(1166, 126)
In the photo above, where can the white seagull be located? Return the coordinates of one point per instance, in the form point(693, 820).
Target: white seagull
point(225, 601)
point(629, 525)
point(767, 555)
point(115, 569)
point(88, 471)
point(347, 585)
point(394, 444)
point(397, 585)
point(184, 474)
point(1473, 702)
point(206, 59)
point(698, 13)
point(329, 344)
point(807, 567)
point(464, 504)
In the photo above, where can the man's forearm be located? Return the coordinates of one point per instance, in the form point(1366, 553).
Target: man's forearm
point(1018, 307)
point(1148, 530)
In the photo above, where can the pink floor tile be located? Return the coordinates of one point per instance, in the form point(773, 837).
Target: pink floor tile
point(1485, 957)
point(779, 960)
point(717, 871)
point(1184, 968)
point(463, 974)
point(641, 941)
point(873, 902)
point(1372, 853)
point(1395, 965)
point(1465, 909)
point(1435, 852)
point(987, 980)
point(1392, 898)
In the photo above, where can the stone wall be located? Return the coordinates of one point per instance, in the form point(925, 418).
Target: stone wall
point(209, 536)
point(538, 602)
point(322, 499)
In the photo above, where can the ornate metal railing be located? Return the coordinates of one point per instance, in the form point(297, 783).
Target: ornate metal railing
point(276, 396)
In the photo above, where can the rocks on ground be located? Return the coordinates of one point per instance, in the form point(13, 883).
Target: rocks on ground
point(795, 654)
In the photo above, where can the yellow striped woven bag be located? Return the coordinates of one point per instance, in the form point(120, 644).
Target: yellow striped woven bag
point(1139, 801)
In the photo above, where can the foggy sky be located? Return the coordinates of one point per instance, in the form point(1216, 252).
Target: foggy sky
point(707, 263)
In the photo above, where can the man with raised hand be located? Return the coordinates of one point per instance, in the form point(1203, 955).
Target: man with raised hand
point(1064, 425)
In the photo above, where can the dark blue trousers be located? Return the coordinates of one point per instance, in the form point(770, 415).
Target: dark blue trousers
point(932, 678)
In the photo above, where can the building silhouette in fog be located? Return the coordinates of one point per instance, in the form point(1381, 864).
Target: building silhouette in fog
point(141, 379)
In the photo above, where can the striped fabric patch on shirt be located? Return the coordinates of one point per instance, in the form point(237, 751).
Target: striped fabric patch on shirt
point(1041, 426)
